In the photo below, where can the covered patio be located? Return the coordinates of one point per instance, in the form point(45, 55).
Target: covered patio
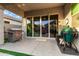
point(40, 24)
point(35, 47)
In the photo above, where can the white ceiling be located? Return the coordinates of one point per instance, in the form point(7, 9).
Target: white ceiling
point(36, 6)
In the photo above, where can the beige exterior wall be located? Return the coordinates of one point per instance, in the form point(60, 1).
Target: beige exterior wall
point(1, 26)
point(75, 21)
point(67, 14)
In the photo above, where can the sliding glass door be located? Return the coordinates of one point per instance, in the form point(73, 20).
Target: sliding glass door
point(42, 26)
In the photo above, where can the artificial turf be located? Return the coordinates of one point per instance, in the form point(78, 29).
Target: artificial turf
point(14, 53)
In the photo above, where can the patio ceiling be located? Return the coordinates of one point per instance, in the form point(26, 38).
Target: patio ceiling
point(36, 6)
point(20, 8)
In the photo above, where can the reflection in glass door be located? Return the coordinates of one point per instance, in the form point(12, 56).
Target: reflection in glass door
point(36, 23)
point(53, 25)
point(44, 24)
point(29, 26)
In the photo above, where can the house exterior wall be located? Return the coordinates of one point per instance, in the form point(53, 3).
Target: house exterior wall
point(67, 14)
point(1, 26)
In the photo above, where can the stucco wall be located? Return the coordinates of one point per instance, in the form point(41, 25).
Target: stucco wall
point(75, 21)
point(67, 14)
point(1, 27)
point(75, 15)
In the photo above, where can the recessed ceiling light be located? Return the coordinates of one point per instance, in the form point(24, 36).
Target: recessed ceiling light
point(19, 5)
point(23, 4)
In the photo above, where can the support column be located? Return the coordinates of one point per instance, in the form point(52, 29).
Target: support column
point(40, 27)
point(32, 27)
point(24, 28)
point(1, 26)
point(49, 25)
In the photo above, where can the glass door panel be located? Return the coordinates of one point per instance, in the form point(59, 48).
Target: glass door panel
point(53, 25)
point(44, 24)
point(36, 23)
point(29, 26)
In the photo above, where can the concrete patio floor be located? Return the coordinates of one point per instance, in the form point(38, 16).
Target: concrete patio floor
point(36, 47)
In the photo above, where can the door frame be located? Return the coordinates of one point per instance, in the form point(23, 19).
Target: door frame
point(40, 26)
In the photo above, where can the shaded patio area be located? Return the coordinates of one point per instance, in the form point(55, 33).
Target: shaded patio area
point(45, 47)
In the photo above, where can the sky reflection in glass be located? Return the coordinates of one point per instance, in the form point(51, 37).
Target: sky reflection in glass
point(11, 14)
